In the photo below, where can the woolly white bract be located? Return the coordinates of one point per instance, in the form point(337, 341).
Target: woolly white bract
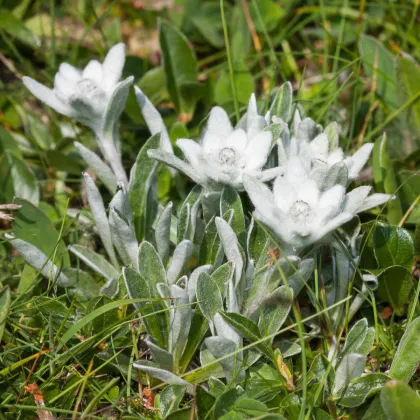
point(224, 153)
point(298, 212)
point(83, 94)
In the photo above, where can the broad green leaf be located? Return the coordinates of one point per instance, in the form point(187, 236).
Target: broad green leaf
point(268, 15)
point(379, 64)
point(399, 401)
point(25, 184)
point(8, 143)
point(407, 357)
point(351, 367)
point(141, 177)
point(5, 300)
point(33, 226)
point(179, 63)
point(361, 389)
point(384, 175)
point(16, 28)
point(181, 414)
point(227, 401)
point(359, 339)
point(251, 407)
point(208, 296)
point(274, 313)
point(222, 275)
point(392, 245)
point(170, 398)
point(106, 319)
point(395, 284)
point(95, 261)
point(408, 76)
point(247, 329)
point(204, 402)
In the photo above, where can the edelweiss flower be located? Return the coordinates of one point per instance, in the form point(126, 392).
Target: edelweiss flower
point(83, 95)
point(224, 154)
point(94, 97)
point(323, 150)
point(298, 213)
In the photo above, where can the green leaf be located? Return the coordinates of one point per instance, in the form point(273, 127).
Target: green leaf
point(208, 296)
point(8, 143)
point(392, 245)
point(408, 76)
point(5, 300)
point(359, 339)
point(282, 103)
point(361, 389)
point(187, 215)
point(379, 63)
point(95, 261)
point(407, 357)
point(399, 401)
point(268, 15)
point(395, 284)
point(385, 181)
point(17, 29)
point(251, 407)
point(230, 200)
point(100, 323)
point(170, 398)
point(247, 328)
point(227, 401)
point(151, 267)
point(141, 177)
point(33, 226)
point(204, 402)
point(25, 184)
point(274, 314)
point(179, 64)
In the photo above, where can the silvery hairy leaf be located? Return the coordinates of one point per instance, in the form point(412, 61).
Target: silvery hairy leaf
point(163, 232)
point(121, 203)
point(161, 357)
point(100, 218)
point(281, 106)
point(180, 259)
point(231, 247)
point(220, 348)
point(115, 108)
point(192, 281)
point(351, 367)
point(95, 261)
point(209, 297)
point(124, 238)
point(187, 215)
point(38, 260)
point(101, 169)
point(180, 321)
point(359, 339)
point(161, 374)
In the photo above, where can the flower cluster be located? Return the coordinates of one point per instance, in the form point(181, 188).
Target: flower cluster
point(308, 200)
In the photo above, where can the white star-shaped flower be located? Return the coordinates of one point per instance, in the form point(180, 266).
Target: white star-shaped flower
point(224, 153)
point(298, 212)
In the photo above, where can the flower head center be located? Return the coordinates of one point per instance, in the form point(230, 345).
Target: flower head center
point(300, 211)
point(227, 156)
